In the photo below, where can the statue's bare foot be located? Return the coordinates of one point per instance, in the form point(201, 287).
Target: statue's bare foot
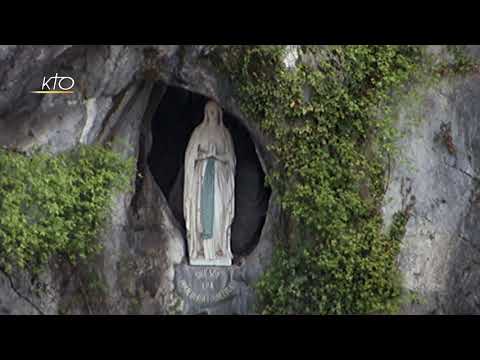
point(219, 252)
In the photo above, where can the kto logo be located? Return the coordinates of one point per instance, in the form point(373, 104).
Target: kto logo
point(56, 85)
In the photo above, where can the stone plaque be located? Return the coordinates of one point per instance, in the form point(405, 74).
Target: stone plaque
point(211, 288)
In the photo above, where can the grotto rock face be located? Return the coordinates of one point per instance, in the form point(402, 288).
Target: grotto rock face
point(118, 90)
point(123, 94)
point(437, 172)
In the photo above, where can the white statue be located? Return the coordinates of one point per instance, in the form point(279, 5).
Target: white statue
point(209, 190)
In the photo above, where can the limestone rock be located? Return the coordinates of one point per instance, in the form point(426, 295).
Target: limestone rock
point(438, 166)
point(118, 90)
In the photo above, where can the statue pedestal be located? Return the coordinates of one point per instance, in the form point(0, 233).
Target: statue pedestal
point(212, 289)
point(214, 262)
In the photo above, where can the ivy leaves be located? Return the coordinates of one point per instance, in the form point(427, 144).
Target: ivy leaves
point(329, 140)
point(51, 205)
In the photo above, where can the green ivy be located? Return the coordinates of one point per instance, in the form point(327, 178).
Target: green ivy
point(331, 124)
point(461, 62)
point(55, 205)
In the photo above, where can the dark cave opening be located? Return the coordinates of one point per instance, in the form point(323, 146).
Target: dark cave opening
point(177, 115)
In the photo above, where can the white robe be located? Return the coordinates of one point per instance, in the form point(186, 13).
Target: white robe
point(211, 134)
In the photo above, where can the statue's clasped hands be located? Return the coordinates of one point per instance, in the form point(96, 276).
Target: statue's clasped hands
point(211, 153)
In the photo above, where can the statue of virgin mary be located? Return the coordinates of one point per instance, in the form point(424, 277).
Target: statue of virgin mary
point(209, 190)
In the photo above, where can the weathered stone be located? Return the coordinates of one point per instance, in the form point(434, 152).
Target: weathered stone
point(213, 290)
point(22, 68)
point(438, 166)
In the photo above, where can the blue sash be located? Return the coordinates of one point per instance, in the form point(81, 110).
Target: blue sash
point(207, 201)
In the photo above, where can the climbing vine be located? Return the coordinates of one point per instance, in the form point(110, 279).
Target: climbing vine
point(55, 205)
point(330, 118)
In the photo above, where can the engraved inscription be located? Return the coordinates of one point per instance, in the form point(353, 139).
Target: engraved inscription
point(207, 274)
point(207, 285)
point(205, 299)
